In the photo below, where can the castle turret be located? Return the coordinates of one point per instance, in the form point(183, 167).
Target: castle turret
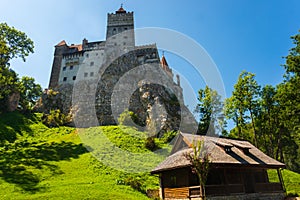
point(60, 49)
point(120, 22)
point(165, 66)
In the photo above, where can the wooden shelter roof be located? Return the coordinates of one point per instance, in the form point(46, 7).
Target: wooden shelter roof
point(240, 154)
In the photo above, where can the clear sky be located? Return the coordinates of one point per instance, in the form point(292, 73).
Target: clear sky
point(251, 35)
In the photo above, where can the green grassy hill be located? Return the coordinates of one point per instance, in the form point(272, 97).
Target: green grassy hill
point(37, 162)
point(43, 163)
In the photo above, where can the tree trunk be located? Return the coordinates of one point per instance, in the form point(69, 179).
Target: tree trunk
point(254, 130)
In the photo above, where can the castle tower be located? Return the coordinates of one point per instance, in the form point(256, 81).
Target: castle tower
point(120, 22)
point(165, 66)
point(60, 49)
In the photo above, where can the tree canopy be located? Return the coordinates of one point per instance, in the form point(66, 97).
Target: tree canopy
point(210, 109)
point(269, 116)
point(15, 44)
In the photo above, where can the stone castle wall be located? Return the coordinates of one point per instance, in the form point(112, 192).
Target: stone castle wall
point(98, 81)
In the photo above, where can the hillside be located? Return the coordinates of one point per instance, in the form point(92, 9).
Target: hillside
point(44, 163)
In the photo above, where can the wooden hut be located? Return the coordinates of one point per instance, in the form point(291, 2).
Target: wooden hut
point(238, 170)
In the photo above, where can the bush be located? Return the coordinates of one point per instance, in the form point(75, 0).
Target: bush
point(55, 119)
point(135, 183)
point(150, 144)
point(168, 136)
point(127, 118)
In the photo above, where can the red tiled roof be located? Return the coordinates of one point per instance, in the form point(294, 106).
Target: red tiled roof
point(163, 61)
point(78, 46)
point(63, 42)
point(121, 10)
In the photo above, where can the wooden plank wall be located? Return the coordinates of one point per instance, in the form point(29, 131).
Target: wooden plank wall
point(176, 192)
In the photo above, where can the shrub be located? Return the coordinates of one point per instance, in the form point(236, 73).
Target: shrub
point(55, 118)
point(168, 136)
point(150, 144)
point(134, 182)
point(127, 118)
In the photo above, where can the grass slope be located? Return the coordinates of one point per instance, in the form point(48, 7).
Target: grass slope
point(291, 181)
point(37, 162)
point(41, 163)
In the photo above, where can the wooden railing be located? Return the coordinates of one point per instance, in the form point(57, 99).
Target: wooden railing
point(217, 190)
point(194, 191)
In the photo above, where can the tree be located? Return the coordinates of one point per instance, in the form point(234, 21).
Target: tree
point(9, 84)
point(287, 95)
point(234, 111)
point(210, 109)
point(13, 44)
point(244, 103)
point(200, 163)
point(29, 93)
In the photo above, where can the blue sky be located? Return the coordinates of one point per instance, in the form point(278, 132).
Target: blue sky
point(251, 35)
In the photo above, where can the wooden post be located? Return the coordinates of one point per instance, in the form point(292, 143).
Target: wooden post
point(161, 187)
point(281, 180)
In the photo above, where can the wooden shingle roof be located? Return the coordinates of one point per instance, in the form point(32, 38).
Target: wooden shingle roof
point(241, 154)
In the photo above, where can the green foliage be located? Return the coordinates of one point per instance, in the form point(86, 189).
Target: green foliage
point(14, 44)
point(150, 144)
point(243, 106)
point(292, 65)
point(135, 183)
point(270, 118)
point(127, 118)
point(29, 93)
point(287, 96)
point(200, 163)
point(55, 118)
point(168, 136)
point(210, 109)
point(9, 84)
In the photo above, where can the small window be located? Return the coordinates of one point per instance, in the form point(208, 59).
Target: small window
point(87, 55)
point(71, 67)
point(124, 43)
point(113, 37)
point(125, 37)
point(115, 44)
point(85, 74)
point(92, 64)
point(227, 149)
point(125, 28)
point(92, 74)
point(74, 78)
point(64, 68)
point(65, 79)
point(96, 54)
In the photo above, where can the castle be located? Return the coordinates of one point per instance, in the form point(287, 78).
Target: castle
point(102, 64)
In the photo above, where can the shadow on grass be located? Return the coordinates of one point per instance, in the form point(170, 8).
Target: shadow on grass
point(23, 162)
point(14, 123)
